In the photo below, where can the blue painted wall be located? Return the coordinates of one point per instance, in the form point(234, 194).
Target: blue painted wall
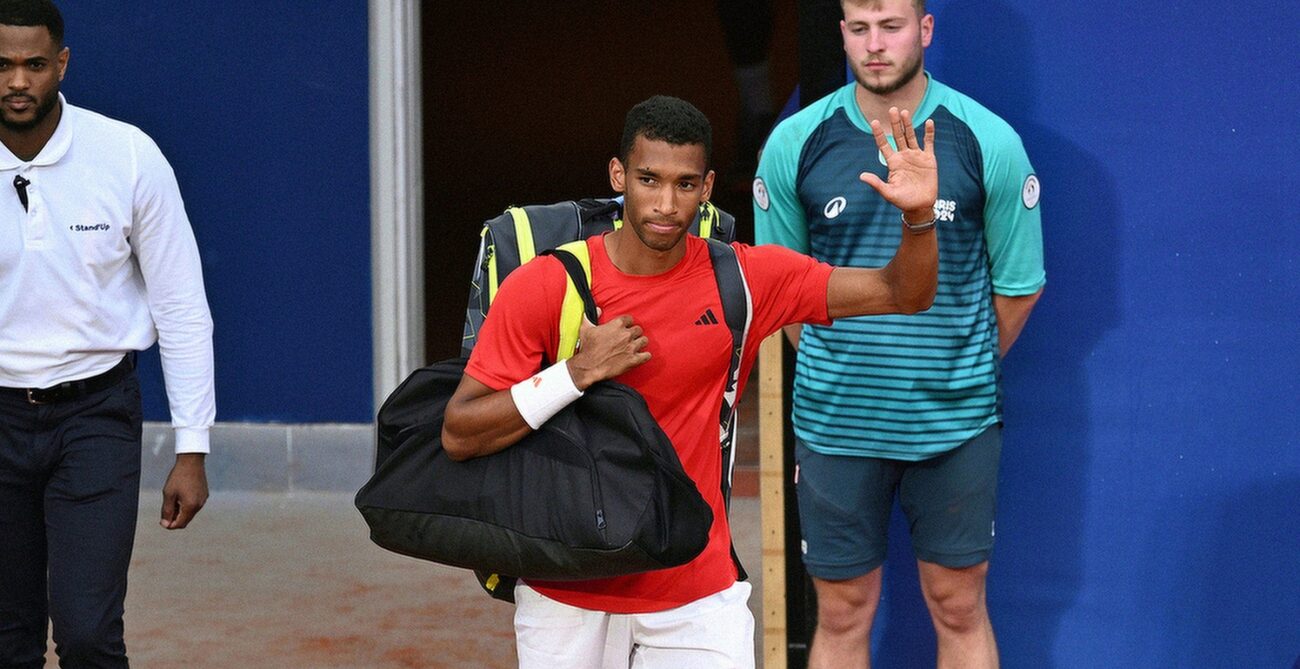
point(1150, 494)
point(262, 109)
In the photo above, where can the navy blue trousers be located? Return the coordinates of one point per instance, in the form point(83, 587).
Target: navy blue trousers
point(69, 494)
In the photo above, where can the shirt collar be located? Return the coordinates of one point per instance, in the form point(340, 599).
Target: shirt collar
point(927, 105)
point(53, 150)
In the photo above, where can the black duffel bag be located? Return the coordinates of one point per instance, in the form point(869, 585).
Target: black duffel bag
point(598, 491)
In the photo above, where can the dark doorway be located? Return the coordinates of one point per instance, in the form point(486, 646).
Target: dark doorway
point(525, 105)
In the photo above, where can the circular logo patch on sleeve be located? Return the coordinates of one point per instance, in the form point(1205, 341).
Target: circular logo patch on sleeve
point(760, 194)
point(1030, 191)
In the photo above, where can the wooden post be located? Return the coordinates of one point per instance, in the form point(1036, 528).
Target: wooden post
point(771, 445)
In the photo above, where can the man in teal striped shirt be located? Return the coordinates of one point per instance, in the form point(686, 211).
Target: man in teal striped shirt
point(902, 405)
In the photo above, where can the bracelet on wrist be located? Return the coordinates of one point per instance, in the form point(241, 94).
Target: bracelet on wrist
point(918, 228)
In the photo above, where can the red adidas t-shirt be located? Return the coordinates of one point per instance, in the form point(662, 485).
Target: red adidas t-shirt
point(682, 382)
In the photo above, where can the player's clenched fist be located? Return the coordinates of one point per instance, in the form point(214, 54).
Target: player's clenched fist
point(607, 350)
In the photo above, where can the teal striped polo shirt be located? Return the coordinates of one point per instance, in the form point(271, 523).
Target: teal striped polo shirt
point(903, 387)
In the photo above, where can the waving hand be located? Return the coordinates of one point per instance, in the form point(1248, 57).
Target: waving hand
point(913, 183)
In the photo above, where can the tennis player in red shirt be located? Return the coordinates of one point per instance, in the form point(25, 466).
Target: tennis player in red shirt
point(653, 282)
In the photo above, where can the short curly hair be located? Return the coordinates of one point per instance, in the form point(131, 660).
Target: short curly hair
point(669, 119)
point(33, 13)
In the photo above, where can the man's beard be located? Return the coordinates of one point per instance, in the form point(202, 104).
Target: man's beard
point(913, 68)
point(43, 109)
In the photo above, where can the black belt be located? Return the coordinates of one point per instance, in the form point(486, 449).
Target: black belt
point(71, 390)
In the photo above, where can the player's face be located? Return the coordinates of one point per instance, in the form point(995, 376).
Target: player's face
point(663, 185)
point(31, 67)
point(885, 43)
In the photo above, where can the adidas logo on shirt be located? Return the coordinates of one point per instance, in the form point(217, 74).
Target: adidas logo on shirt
point(707, 319)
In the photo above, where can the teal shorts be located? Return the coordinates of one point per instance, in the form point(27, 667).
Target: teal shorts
point(845, 503)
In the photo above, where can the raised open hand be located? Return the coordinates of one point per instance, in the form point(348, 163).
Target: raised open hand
point(913, 183)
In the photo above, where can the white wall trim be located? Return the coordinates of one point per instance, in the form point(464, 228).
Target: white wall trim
point(396, 193)
point(269, 457)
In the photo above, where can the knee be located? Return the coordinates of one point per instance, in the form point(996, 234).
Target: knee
point(959, 609)
point(846, 612)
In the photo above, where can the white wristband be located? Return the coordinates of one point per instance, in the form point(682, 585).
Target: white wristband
point(543, 395)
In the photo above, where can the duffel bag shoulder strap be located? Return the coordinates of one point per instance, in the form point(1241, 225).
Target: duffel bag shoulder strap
point(578, 301)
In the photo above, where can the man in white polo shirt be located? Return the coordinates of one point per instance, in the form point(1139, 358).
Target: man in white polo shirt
point(97, 261)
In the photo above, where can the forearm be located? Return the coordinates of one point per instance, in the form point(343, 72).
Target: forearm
point(481, 421)
point(905, 286)
point(913, 273)
point(1012, 314)
point(482, 426)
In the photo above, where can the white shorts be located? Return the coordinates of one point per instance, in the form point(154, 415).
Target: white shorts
point(716, 632)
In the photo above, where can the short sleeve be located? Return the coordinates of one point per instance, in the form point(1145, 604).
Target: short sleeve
point(1013, 227)
point(785, 288)
point(522, 325)
point(778, 216)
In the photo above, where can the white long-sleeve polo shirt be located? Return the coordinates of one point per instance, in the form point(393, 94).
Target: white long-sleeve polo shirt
point(102, 262)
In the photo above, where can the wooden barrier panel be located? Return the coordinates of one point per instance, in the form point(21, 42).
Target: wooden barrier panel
point(771, 445)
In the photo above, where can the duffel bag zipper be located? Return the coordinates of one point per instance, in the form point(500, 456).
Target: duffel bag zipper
point(597, 496)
